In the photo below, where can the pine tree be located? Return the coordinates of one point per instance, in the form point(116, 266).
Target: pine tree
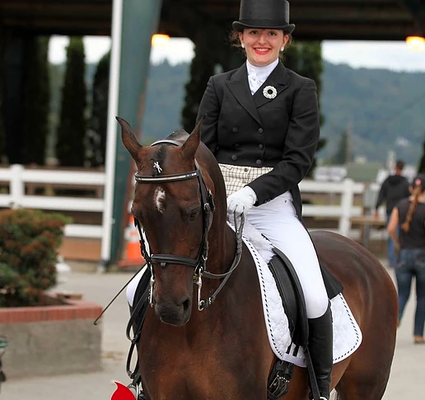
point(201, 68)
point(342, 154)
point(36, 102)
point(71, 134)
point(2, 134)
point(96, 146)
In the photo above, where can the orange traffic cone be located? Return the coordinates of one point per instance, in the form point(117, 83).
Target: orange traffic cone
point(132, 254)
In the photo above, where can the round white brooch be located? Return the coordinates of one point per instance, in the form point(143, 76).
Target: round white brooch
point(269, 92)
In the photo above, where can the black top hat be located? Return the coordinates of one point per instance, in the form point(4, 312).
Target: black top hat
point(264, 14)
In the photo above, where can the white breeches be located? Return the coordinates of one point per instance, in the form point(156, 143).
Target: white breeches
point(278, 221)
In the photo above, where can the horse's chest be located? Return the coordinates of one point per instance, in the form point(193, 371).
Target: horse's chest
point(208, 374)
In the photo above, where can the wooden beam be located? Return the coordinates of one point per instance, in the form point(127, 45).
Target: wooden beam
point(356, 18)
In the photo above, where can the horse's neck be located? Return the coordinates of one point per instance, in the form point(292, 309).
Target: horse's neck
point(222, 249)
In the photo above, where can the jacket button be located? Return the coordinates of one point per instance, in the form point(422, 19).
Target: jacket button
point(234, 157)
point(237, 146)
point(258, 162)
point(260, 130)
point(235, 129)
point(260, 146)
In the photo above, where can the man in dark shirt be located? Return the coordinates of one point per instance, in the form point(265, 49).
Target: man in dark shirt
point(393, 189)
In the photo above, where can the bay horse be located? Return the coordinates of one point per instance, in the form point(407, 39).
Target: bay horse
point(215, 349)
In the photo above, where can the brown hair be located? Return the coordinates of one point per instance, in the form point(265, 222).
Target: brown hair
point(418, 186)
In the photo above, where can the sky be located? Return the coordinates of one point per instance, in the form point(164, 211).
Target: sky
point(394, 56)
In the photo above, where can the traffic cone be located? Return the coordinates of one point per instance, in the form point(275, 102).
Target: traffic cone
point(132, 253)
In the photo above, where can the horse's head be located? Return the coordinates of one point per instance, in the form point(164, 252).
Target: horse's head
point(173, 202)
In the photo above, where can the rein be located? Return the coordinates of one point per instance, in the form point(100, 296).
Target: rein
point(198, 264)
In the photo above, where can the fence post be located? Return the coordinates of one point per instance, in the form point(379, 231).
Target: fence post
point(16, 185)
point(346, 204)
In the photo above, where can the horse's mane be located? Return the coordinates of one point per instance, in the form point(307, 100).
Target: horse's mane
point(179, 135)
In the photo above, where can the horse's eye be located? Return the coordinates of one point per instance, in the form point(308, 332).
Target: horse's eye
point(193, 214)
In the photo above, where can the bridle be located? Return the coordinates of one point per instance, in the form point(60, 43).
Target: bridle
point(198, 264)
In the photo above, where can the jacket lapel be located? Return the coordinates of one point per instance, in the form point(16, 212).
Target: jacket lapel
point(277, 79)
point(239, 87)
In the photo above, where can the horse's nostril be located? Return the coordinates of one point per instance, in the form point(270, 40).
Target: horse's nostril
point(186, 304)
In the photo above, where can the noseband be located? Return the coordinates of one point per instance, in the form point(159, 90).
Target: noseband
point(208, 207)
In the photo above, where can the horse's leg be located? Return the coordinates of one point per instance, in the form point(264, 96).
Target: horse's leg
point(367, 374)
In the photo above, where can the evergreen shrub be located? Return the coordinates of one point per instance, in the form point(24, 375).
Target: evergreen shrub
point(29, 242)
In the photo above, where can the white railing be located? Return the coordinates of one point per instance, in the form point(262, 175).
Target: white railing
point(18, 177)
point(344, 211)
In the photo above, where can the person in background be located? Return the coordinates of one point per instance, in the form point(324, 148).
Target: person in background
point(407, 231)
point(261, 121)
point(394, 188)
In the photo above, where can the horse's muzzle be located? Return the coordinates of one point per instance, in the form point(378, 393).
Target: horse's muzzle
point(174, 313)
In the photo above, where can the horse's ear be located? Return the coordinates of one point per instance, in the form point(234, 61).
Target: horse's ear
point(128, 138)
point(191, 145)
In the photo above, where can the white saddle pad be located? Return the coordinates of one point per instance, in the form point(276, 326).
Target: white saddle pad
point(346, 333)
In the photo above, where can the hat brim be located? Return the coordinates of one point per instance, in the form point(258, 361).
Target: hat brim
point(240, 26)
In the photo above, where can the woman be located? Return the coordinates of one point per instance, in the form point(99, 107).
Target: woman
point(261, 121)
point(408, 219)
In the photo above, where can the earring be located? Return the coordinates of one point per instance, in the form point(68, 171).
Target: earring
point(242, 45)
point(282, 48)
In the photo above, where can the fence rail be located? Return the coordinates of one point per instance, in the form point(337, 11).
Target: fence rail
point(17, 177)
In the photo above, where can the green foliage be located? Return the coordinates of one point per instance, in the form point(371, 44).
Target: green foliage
point(36, 102)
point(56, 75)
point(305, 58)
point(71, 135)
point(2, 134)
point(96, 145)
point(29, 240)
point(201, 69)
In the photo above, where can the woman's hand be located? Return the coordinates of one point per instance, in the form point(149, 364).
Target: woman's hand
point(241, 201)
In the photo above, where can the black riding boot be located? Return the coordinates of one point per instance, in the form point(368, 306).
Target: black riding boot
point(321, 351)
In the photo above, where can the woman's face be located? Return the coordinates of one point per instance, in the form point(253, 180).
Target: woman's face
point(262, 46)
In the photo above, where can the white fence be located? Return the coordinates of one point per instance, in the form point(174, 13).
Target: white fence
point(17, 177)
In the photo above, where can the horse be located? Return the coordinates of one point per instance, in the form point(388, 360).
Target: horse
point(211, 343)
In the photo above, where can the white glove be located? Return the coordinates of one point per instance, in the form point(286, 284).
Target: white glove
point(241, 201)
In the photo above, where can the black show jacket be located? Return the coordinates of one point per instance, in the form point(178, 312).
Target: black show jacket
point(253, 130)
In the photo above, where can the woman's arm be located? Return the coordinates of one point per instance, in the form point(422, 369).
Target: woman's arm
point(299, 148)
point(392, 229)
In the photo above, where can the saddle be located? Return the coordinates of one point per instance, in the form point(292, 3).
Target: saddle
point(293, 302)
point(291, 293)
